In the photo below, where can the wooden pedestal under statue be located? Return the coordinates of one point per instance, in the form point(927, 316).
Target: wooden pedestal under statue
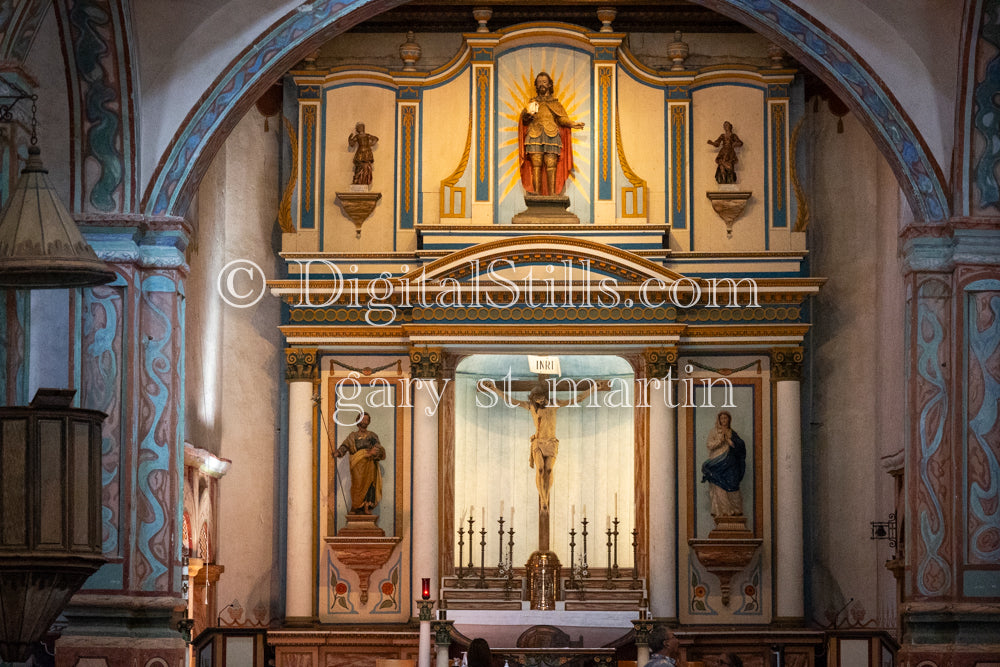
point(727, 551)
point(362, 547)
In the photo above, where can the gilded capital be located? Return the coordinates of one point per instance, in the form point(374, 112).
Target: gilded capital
point(643, 628)
point(442, 632)
point(660, 361)
point(786, 363)
point(426, 609)
point(426, 362)
point(301, 364)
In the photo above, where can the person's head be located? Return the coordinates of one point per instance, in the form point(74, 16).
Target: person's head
point(364, 420)
point(662, 641)
point(724, 419)
point(730, 660)
point(360, 128)
point(543, 83)
point(727, 126)
point(479, 654)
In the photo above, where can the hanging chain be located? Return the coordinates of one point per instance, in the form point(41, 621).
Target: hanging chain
point(34, 120)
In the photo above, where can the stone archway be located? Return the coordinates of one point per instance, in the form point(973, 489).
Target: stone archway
point(299, 32)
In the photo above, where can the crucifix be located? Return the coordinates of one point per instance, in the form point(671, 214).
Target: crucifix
point(544, 444)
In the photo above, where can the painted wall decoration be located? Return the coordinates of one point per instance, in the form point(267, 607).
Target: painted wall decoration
point(338, 590)
point(103, 347)
point(987, 112)
point(389, 593)
point(982, 451)
point(19, 23)
point(160, 422)
point(933, 571)
point(98, 33)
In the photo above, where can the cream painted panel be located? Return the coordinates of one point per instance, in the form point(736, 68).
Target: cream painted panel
point(344, 107)
point(445, 128)
point(744, 108)
point(641, 116)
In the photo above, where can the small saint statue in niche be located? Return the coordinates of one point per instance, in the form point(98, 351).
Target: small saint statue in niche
point(366, 476)
point(727, 143)
point(364, 158)
point(725, 467)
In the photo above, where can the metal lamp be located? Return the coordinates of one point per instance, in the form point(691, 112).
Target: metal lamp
point(40, 244)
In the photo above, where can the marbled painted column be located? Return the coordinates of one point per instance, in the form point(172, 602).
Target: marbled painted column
point(425, 368)
point(131, 351)
point(951, 546)
point(301, 373)
point(786, 374)
point(661, 364)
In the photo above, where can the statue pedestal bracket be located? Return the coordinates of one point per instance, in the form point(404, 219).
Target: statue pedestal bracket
point(362, 547)
point(729, 206)
point(358, 206)
point(728, 550)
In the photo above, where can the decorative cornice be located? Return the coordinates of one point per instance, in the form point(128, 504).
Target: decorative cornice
point(301, 364)
point(660, 362)
point(426, 362)
point(595, 334)
point(786, 363)
point(959, 242)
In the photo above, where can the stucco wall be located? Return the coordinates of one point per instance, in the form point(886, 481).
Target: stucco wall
point(856, 371)
point(234, 406)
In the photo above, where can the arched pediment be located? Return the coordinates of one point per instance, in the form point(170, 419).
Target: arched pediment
point(580, 255)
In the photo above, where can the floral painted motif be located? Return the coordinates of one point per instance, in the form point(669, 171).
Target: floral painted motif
point(338, 591)
point(389, 589)
point(698, 604)
point(751, 593)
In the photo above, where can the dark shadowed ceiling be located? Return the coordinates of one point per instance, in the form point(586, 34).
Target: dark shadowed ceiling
point(641, 16)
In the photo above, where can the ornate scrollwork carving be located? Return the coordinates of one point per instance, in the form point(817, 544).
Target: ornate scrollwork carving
point(786, 363)
point(300, 364)
point(660, 361)
point(426, 362)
